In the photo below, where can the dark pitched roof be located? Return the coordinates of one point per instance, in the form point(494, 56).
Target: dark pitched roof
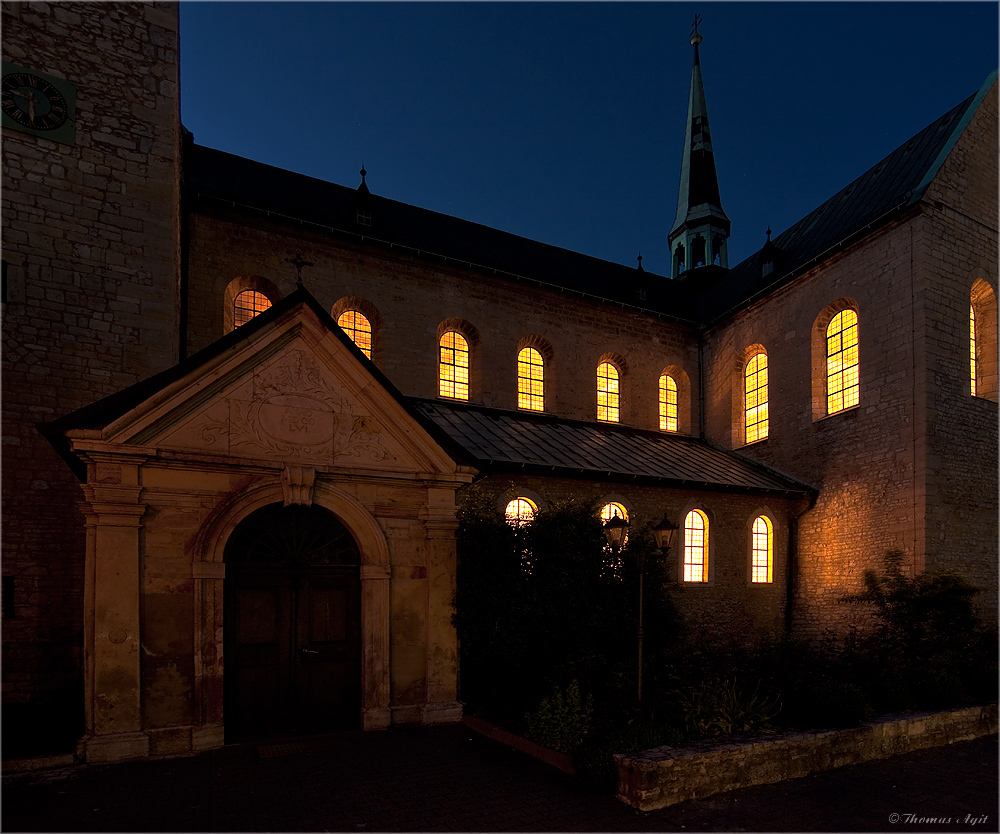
point(888, 188)
point(505, 441)
point(706, 295)
point(221, 177)
point(105, 411)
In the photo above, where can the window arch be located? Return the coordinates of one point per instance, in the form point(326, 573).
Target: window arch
point(755, 399)
point(246, 297)
point(530, 379)
point(247, 305)
point(358, 328)
point(520, 510)
point(761, 550)
point(668, 402)
point(608, 393)
point(983, 341)
point(453, 366)
point(696, 547)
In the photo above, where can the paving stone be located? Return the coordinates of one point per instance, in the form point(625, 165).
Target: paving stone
point(447, 779)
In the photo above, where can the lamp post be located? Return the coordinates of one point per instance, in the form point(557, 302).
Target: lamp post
point(663, 533)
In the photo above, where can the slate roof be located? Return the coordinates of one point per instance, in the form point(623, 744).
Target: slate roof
point(224, 178)
point(509, 441)
point(705, 296)
point(888, 188)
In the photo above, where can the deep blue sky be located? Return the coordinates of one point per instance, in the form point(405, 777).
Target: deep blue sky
point(564, 122)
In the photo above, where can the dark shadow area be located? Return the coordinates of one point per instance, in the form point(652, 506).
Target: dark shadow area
point(42, 727)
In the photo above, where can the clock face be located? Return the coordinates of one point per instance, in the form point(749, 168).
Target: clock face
point(33, 102)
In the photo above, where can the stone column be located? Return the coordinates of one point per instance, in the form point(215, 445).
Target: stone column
point(375, 713)
point(440, 525)
point(112, 628)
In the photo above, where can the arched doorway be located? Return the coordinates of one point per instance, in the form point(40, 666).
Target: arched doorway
point(292, 624)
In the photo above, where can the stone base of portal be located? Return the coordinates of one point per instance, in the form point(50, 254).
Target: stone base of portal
point(115, 747)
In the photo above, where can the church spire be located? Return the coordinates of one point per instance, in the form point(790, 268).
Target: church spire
point(701, 228)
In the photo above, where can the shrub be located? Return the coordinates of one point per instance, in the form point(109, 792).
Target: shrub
point(562, 719)
point(830, 703)
point(727, 709)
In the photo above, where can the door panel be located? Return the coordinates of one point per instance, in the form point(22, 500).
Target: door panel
point(292, 624)
point(329, 685)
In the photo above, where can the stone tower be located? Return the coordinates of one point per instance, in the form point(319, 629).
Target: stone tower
point(701, 227)
point(91, 268)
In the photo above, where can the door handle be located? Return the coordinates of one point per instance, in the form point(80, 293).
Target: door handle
point(308, 651)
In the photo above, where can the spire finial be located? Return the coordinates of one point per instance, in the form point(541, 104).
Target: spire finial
point(639, 259)
point(363, 173)
point(768, 232)
point(695, 35)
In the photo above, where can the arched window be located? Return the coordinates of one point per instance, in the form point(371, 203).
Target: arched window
point(520, 511)
point(842, 380)
point(972, 346)
point(530, 380)
point(608, 396)
point(668, 403)
point(761, 535)
point(983, 340)
point(696, 547)
point(755, 398)
point(453, 371)
point(358, 328)
point(248, 304)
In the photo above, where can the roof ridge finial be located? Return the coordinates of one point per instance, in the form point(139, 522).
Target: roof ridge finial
point(768, 232)
point(639, 259)
point(298, 262)
point(363, 173)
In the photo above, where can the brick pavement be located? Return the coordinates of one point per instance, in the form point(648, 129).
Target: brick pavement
point(450, 779)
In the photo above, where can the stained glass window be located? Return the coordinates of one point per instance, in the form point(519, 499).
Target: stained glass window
point(358, 328)
point(842, 362)
point(755, 398)
point(453, 370)
point(530, 380)
point(608, 398)
point(695, 547)
point(668, 403)
point(248, 304)
point(761, 561)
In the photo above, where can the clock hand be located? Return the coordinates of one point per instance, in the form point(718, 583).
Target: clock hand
point(31, 98)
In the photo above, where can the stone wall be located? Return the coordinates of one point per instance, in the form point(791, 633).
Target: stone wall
point(960, 490)
point(413, 297)
point(91, 264)
point(665, 776)
point(727, 609)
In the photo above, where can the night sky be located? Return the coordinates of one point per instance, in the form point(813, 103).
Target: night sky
point(564, 122)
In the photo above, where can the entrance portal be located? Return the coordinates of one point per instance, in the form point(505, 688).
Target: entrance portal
point(292, 624)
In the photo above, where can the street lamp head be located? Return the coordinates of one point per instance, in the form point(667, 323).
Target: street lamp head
point(615, 530)
point(664, 533)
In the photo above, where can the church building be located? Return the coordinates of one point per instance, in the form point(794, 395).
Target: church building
point(241, 405)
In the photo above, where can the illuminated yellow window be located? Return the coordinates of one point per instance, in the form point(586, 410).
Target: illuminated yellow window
point(761, 565)
point(530, 380)
point(668, 403)
point(972, 346)
point(755, 398)
point(358, 328)
point(842, 362)
point(608, 398)
point(453, 371)
point(520, 510)
point(248, 304)
point(696, 547)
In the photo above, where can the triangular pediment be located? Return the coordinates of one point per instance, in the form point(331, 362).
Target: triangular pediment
point(292, 392)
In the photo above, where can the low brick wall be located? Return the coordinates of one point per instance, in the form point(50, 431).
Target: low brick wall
point(667, 775)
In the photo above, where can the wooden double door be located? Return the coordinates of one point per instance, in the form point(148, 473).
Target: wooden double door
point(292, 625)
